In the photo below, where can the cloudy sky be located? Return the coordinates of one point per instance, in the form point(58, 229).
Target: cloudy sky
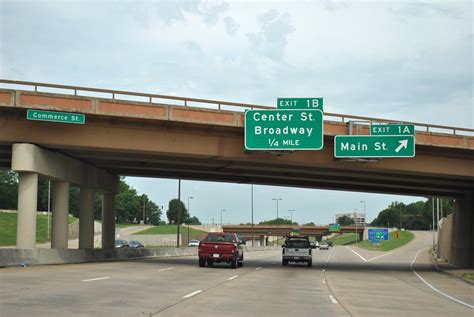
point(406, 60)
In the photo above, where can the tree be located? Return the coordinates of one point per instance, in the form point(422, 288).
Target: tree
point(345, 221)
point(8, 190)
point(309, 224)
point(175, 205)
point(194, 221)
point(278, 221)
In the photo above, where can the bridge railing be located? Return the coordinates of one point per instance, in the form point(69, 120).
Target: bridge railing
point(220, 105)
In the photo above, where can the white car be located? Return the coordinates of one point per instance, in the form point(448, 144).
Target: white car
point(193, 243)
point(323, 246)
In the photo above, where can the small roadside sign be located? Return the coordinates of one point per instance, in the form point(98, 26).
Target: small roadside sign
point(392, 129)
point(55, 116)
point(300, 103)
point(397, 234)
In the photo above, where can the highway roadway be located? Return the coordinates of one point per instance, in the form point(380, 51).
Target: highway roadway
point(344, 281)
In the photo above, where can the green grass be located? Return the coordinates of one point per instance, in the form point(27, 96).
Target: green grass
point(469, 276)
point(343, 239)
point(8, 228)
point(170, 229)
point(390, 244)
point(125, 225)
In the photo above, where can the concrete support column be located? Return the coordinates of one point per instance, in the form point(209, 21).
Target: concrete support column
point(59, 237)
point(27, 208)
point(86, 218)
point(108, 221)
point(463, 232)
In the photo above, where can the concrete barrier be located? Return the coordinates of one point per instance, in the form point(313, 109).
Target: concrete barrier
point(14, 257)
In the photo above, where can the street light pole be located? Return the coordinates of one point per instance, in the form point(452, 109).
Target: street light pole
point(277, 199)
point(189, 213)
point(179, 213)
point(222, 210)
point(143, 196)
point(251, 200)
point(355, 220)
point(49, 206)
point(291, 213)
point(365, 216)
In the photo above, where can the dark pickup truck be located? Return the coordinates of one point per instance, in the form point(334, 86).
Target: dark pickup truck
point(220, 247)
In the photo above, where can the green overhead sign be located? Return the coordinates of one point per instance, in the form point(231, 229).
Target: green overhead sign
point(54, 116)
point(283, 130)
point(335, 227)
point(300, 103)
point(353, 146)
point(392, 129)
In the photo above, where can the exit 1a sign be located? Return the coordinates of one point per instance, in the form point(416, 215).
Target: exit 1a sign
point(300, 103)
point(392, 129)
point(363, 146)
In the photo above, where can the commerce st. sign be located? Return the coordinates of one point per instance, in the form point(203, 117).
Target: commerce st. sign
point(55, 116)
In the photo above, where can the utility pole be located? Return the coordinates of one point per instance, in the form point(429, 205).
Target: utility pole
point(251, 203)
point(143, 196)
point(179, 213)
point(222, 210)
point(291, 214)
point(277, 199)
point(437, 227)
point(433, 227)
point(365, 216)
point(401, 219)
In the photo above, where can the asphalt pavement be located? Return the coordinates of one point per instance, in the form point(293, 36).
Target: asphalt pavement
point(344, 281)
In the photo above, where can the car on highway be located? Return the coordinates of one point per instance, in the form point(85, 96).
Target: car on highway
point(323, 246)
point(193, 243)
point(314, 244)
point(297, 249)
point(220, 247)
point(120, 244)
point(135, 244)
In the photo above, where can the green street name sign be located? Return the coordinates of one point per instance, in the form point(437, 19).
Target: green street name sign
point(283, 130)
point(300, 103)
point(352, 146)
point(54, 116)
point(335, 227)
point(392, 129)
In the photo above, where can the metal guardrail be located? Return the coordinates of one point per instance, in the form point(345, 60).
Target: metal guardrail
point(344, 118)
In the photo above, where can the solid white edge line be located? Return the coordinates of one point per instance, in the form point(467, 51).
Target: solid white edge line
point(258, 268)
point(333, 299)
point(434, 288)
point(360, 256)
point(233, 277)
point(379, 256)
point(167, 269)
point(192, 294)
point(96, 279)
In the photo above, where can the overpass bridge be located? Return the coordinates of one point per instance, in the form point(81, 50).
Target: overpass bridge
point(199, 139)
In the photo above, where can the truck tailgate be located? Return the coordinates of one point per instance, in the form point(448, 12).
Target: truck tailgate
point(217, 247)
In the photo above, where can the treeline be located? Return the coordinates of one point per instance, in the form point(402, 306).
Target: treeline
point(414, 216)
point(129, 204)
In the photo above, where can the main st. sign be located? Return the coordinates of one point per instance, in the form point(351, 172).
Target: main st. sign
point(283, 129)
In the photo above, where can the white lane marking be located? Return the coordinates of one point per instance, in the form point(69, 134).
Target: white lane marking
point(360, 256)
point(333, 300)
point(434, 288)
point(192, 294)
point(379, 256)
point(167, 269)
point(233, 277)
point(258, 268)
point(324, 281)
point(96, 279)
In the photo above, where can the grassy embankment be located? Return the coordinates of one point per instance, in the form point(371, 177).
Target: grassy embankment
point(171, 229)
point(8, 228)
point(469, 276)
point(392, 243)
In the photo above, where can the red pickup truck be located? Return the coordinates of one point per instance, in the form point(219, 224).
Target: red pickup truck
point(221, 247)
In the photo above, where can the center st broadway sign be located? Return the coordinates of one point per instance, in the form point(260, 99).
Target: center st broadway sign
point(353, 146)
point(55, 116)
point(283, 130)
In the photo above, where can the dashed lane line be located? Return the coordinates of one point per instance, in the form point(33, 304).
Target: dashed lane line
point(96, 279)
point(434, 288)
point(333, 300)
point(166, 269)
point(192, 294)
point(233, 277)
point(258, 268)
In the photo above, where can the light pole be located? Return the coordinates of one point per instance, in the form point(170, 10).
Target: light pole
point(365, 216)
point(179, 213)
point(222, 210)
point(49, 206)
point(291, 213)
point(251, 203)
point(355, 221)
point(277, 199)
point(143, 196)
point(189, 213)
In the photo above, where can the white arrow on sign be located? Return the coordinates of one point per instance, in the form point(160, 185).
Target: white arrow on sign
point(403, 144)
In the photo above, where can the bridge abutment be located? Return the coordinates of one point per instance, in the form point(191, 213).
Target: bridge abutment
point(108, 221)
point(27, 206)
point(463, 232)
point(59, 235)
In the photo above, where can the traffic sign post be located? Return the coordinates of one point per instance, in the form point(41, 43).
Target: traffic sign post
point(392, 129)
point(283, 130)
point(354, 146)
point(300, 103)
point(54, 116)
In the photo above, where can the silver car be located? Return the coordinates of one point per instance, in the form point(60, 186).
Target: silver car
point(323, 246)
point(193, 243)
